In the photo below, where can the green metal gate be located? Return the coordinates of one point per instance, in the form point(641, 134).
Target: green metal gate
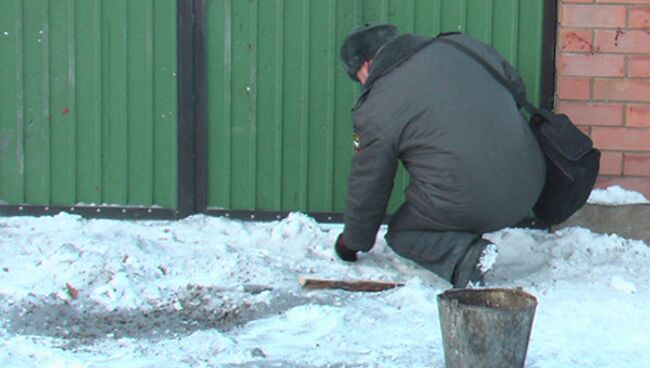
point(278, 102)
point(170, 107)
point(88, 103)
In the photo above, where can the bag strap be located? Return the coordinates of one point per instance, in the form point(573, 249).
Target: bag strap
point(521, 100)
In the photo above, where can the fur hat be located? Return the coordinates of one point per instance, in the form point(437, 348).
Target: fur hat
point(362, 44)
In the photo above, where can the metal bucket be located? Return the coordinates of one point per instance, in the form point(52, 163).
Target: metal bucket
point(486, 327)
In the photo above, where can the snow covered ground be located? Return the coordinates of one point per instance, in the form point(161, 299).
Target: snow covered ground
point(206, 291)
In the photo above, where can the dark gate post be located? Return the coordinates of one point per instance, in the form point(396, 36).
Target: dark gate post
point(547, 93)
point(191, 108)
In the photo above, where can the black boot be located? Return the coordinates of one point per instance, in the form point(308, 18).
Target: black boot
point(468, 269)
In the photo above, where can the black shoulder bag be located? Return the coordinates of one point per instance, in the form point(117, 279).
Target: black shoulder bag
point(572, 163)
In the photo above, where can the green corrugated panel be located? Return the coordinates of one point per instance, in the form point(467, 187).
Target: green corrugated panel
point(12, 121)
point(279, 121)
point(88, 104)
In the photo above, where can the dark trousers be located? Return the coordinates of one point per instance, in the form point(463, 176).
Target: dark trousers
point(411, 236)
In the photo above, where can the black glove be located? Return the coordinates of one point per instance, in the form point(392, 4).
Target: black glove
point(344, 253)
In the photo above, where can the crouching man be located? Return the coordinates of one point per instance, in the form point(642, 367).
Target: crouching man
point(474, 163)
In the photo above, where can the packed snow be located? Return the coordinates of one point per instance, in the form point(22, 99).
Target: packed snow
point(616, 195)
point(213, 292)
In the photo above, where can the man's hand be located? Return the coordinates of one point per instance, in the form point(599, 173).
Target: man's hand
point(344, 253)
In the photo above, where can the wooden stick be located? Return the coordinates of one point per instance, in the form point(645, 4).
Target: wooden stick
point(355, 285)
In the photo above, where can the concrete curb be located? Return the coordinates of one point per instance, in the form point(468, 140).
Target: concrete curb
point(630, 221)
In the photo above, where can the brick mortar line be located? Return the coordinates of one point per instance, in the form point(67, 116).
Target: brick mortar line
point(625, 4)
point(635, 176)
point(595, 53)
point(623, 176)
point(592, 77)
point(608, 77)
point(634, 152)
point(587, 28)
point(614, 77)
point(589, 101)
point(615, 127)
point(615, 102)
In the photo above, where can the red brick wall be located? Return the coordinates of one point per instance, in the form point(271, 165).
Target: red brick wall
point(603, 83)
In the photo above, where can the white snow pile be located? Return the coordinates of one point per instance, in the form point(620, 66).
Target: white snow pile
point(616, 195)
point(236, 285)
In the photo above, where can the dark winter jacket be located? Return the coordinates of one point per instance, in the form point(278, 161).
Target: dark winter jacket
point(473, 161)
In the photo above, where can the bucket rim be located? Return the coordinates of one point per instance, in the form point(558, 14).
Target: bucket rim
point(453, 296)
